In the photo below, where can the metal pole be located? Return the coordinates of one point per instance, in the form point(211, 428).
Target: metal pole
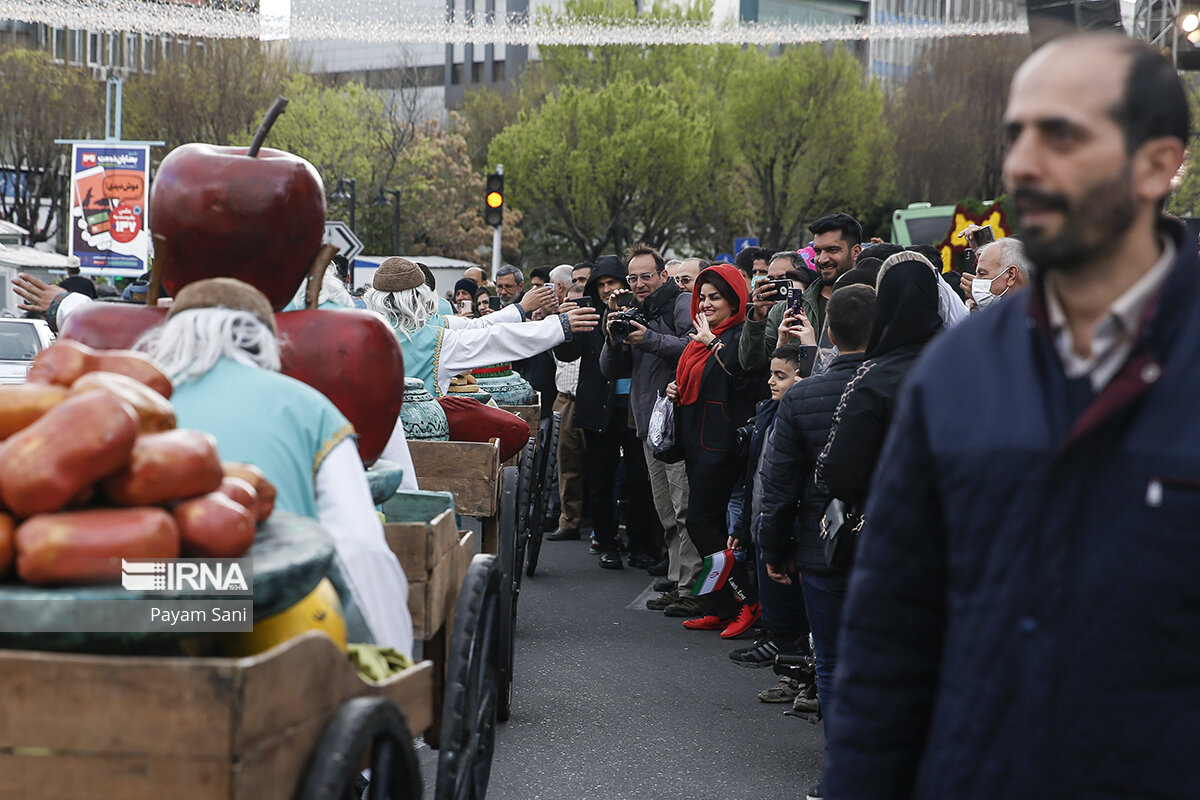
point(395, 193)
point(353, 198)
point(495, 250)
point(496, 235)
point(108, 110)
point(119, 82)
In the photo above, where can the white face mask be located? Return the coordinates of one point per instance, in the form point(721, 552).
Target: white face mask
point(981, 290)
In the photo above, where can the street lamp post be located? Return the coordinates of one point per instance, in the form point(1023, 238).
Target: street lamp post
point(395, 204)
point(340, 194)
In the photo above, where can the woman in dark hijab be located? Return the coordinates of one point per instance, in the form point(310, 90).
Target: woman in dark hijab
point(714, 397)
point(906, 318)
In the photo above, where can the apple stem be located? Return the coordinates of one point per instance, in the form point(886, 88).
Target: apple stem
point(261, 134)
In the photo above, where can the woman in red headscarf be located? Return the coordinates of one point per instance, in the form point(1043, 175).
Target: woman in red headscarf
point(714, 396)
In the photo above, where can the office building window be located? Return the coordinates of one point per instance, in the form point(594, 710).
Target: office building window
point(58, 44)
point(149, 53)
point(94, 57)
point(75, 47)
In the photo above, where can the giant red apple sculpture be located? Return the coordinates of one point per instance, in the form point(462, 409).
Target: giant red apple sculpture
point(248, 213)
point(352, 357)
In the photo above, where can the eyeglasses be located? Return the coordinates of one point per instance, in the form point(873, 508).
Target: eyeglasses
point(683, 280)
point(643, 278)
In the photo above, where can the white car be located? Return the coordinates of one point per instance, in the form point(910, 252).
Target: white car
point(20, 342)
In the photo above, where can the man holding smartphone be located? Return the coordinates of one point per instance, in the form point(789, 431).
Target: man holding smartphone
point(764, 318)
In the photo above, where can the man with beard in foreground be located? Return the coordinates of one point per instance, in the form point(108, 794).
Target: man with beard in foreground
point(1023, 619)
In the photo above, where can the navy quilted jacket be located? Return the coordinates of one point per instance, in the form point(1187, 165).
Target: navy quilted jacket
point(792, 503)
point(1023, 617)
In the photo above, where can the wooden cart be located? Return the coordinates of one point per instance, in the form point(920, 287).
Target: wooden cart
point(294, 722)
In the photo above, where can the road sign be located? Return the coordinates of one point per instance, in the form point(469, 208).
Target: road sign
point(741, 244)
point(339, 234)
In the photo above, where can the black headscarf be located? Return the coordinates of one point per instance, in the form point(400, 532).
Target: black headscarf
point(467, 285)
point(906, 308)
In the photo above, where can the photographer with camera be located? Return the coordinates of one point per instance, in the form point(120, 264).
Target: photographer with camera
point(645, 342)
point(602, 412)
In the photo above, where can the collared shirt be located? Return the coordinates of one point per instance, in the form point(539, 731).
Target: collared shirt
point(1115, 334)
point(566, 376)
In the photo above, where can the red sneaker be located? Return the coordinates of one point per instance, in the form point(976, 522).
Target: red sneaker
point(747, 615)
point(709, 622)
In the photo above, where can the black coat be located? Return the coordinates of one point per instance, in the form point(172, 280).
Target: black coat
point(855, 442)
point(792, 504)
point(707, 428)
point(595, 396)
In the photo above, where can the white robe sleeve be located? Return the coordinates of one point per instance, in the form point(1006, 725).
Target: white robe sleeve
point(69, 304)
point(396, 450)
point(509, 313)
point(371, 571)
point(951, 309)
point(471, 348)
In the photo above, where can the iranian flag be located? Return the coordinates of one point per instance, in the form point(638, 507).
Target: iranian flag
point(715, 572)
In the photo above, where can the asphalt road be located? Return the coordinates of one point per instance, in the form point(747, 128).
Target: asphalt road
point(615, 702)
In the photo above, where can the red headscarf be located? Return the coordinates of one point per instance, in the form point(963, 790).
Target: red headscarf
point(732, 285)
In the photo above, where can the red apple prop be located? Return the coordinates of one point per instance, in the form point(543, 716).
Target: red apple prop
point(111, 326)
point(352, 357)
point(248, 213)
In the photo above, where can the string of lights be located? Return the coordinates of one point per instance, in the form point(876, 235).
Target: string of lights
point(359, 21)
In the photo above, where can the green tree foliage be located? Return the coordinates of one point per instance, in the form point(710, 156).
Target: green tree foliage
point(1185, 200)
point(808, 137)
point(41, 101)
point(600, 169)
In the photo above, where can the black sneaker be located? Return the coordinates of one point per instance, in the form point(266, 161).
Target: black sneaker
point(661, 602)
point(760, 654)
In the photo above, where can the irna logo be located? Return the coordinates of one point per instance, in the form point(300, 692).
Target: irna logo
point(187, 576)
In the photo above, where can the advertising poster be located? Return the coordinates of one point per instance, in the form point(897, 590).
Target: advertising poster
point(109, 184)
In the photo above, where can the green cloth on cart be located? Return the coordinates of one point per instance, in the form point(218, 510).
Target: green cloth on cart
point(376, 664)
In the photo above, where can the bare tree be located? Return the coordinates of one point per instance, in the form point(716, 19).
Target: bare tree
point(947, 119)
point(41, 101)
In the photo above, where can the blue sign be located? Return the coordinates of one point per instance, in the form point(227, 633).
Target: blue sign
point(724, 258)
point(741, 244)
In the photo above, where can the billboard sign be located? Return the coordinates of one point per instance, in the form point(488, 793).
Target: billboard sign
point(109, 183)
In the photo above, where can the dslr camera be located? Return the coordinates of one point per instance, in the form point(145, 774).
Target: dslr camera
point(620, 325)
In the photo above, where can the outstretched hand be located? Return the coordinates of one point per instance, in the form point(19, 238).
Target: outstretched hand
point(703, 334)
point(37, 294)
point(583, 319)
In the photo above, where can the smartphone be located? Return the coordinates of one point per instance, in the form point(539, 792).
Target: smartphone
point(464, 306)
point(494, 303)
point(625, 300)
point(984, 235)
point(781, 285)
point(795, 299)
point(584, 302)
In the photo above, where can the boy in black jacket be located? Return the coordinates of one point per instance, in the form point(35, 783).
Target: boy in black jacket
point(781, 608)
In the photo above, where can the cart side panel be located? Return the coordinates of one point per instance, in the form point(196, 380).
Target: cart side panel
point(73, 776)
point(290, 697)
point(418, 545)
point(160, 707)
point(466, 469)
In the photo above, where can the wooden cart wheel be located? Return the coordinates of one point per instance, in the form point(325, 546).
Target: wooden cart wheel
point(510, 571)
point(547, 468)
point(527, 484)
point(469, 705)
point(366, 731)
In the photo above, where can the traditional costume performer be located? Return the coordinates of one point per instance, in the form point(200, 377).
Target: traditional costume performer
point(219, 347)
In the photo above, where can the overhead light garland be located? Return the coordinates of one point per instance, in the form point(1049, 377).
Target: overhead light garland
point(364, 21)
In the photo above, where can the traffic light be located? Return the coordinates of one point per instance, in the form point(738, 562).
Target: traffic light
point(493, 200)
